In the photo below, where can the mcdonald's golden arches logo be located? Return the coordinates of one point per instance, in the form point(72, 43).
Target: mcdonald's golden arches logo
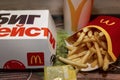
point(35, 59)
point(107, 22)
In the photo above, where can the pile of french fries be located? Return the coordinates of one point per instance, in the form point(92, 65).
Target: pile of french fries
point(88, 46)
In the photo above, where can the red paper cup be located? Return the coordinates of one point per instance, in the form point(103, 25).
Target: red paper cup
point(110, 26)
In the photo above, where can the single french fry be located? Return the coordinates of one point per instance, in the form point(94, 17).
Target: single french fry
point(72, 56)
point(85, 58)
point(68, 52)
point(81, 46)
point(99, 55)
point(92, 49)
point(77, 55)
point(86, 36)
point(96, 33)
point(90, 33)
point(85, 29)
point(88, 45)
point(82, 53)
point(88, 40)
point(104, 45)
point(67, 61)
point(101, 34)
point(73, 51)
point(106, 62)
point(70, 47)
point(76, 59)
point(103, 51)
point(94, 63)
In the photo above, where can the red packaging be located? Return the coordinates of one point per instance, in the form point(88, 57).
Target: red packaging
point(110, 26)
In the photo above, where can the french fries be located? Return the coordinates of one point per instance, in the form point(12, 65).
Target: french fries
point(99, 55)
point(106, 62)
point(89, 46)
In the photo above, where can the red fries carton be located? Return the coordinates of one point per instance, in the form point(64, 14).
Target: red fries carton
point(100, 38)
point(110, 26)
point(27, 39)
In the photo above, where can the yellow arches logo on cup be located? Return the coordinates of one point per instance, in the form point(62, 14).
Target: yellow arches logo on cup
point(76, 14)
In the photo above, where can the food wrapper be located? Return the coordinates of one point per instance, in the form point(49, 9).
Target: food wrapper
point(110, 27)
point(60, 73)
